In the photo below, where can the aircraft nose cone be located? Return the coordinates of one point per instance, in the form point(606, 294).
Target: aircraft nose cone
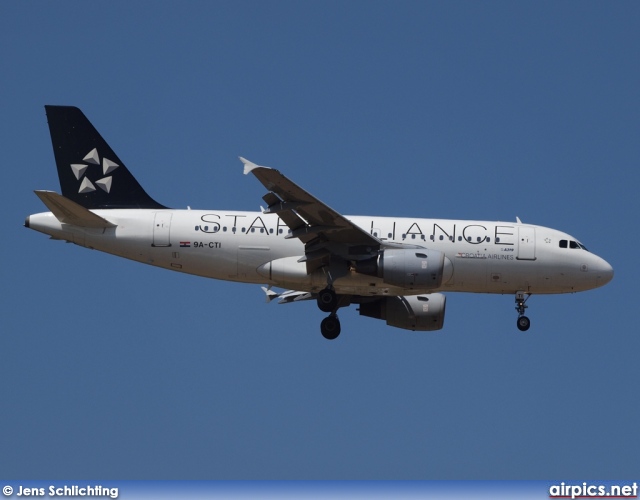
point(603, 272)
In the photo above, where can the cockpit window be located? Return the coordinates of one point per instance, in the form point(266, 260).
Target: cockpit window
point(572, 244)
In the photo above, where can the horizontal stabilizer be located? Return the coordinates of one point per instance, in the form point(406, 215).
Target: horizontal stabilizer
point(69, 212)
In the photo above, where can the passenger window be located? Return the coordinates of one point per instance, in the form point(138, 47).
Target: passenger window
point(563, 243)
point(441, 237)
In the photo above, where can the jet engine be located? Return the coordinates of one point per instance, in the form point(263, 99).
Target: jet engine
point(409, 268)
point(415, 312)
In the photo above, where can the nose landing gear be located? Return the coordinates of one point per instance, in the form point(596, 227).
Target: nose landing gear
point(523, 322)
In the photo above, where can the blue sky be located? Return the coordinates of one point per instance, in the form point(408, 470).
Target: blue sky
point(476, 110)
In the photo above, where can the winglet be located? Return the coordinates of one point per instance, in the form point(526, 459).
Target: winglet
point(249, 166)
point(269, 293)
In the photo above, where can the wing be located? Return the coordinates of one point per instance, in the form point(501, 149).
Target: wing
point(288, 296)
point(324, 232)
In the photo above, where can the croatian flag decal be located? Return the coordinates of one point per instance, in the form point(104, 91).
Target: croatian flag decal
point(184, 244)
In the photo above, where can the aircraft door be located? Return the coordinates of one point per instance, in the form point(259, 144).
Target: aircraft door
point(161, 229)
point(526, 243)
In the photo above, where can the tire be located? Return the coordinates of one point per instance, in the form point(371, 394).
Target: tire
point(523, 323)
point(327, 300)
point(330, 327)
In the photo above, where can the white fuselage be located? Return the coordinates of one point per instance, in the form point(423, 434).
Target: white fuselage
point(487, 257)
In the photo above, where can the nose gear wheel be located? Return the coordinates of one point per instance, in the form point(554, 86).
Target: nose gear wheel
point(523, 322)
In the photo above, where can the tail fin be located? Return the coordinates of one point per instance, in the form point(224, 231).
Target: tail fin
point(90, 173)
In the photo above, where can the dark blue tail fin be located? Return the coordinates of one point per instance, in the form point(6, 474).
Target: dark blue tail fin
point(90, 173)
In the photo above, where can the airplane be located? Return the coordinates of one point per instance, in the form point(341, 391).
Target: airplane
point(395, 269)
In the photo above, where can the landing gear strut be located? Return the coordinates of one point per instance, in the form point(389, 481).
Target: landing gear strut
point(523, 322)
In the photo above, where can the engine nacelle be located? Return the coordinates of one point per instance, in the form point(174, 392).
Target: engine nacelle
point(416, 312)
point(409, 268)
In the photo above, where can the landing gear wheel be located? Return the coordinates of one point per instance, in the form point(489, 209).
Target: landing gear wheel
point(523, 323)
point(327, 300)
point(330, 327)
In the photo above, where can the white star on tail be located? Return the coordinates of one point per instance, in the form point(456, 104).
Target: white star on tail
point(104, 184)
point(80, 169)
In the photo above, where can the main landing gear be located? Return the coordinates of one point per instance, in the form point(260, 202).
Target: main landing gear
point(330, 327)
point(328, 302)
point(523, 322)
